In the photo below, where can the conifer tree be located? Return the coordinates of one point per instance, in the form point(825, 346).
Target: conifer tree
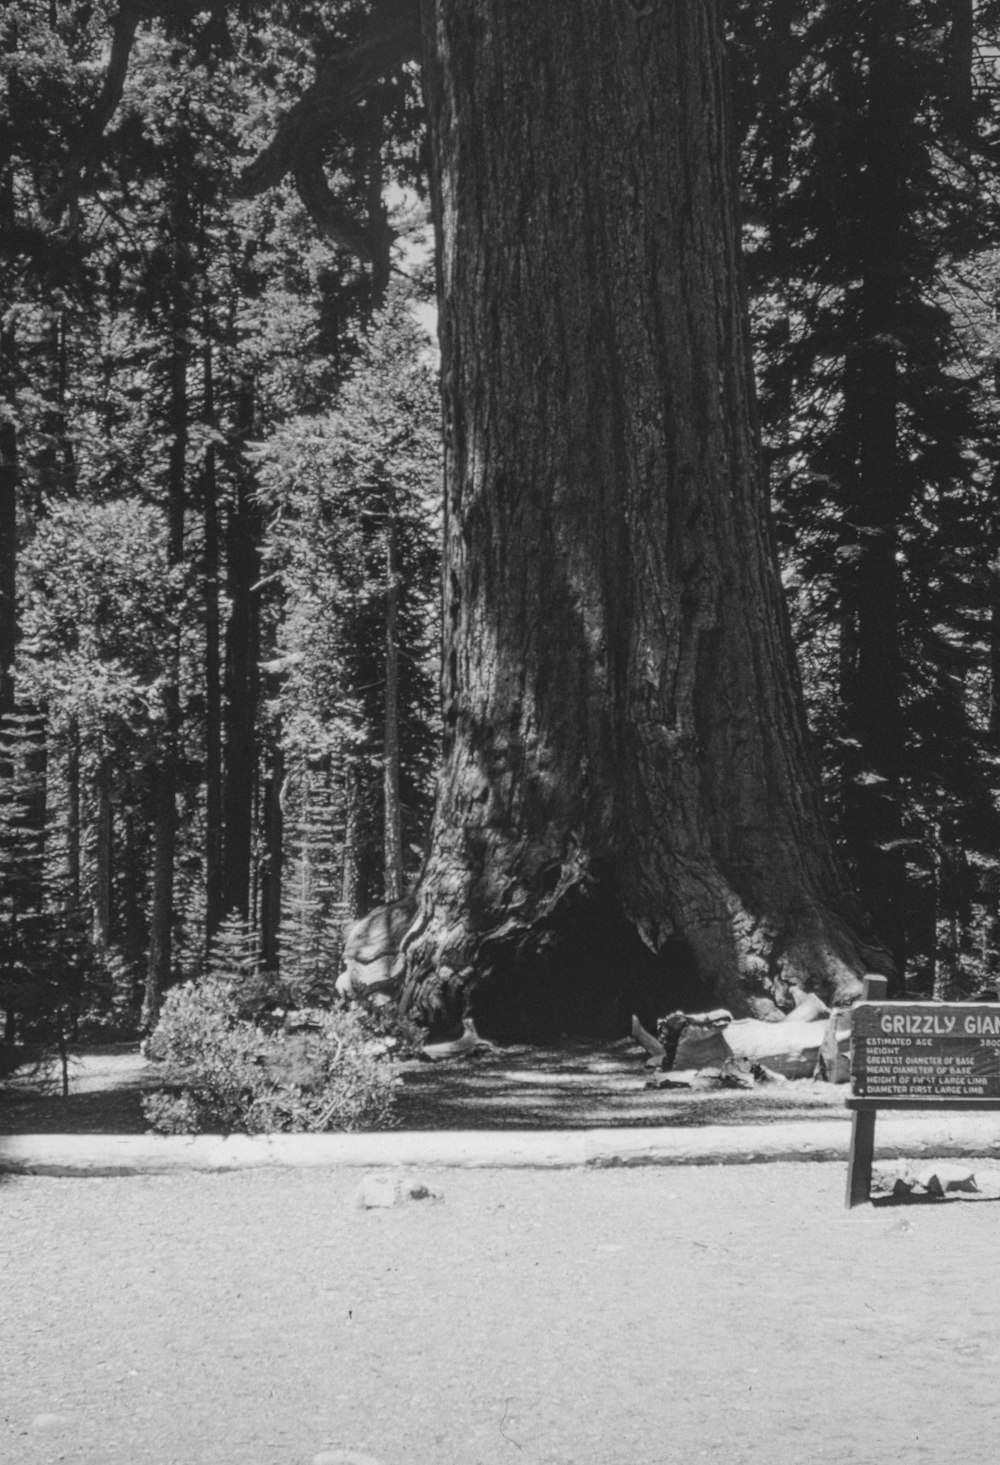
point(863, 171)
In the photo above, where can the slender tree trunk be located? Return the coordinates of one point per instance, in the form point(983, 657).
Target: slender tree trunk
point(956, 887)
point(961, 56)
point(393, 824)
point(990, 951)
point(8, 550)
point(178, 429)
point(73, 823)
point(626, 788)
point(875, 505)
point(52, 465)
point(9, 488)
point(350, 885)
point(994, 655)
point(214, 906)
point(67, 450)
point(103, 857)
point(9, 464)
point(948, 880)
point(271, 871)
point(991, 876)
point(133, 922)
point(24, 738)
point(777, 65)
point(270, 867)
point(242, 673)
point(162, 905)
point(379, 233)
point(392, 834)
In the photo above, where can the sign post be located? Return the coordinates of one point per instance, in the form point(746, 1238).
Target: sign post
point(862, 1152)
point(916, 1055)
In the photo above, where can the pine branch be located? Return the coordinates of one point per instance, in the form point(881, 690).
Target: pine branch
point(326, 210)
point(124, 24)
point(341, 83)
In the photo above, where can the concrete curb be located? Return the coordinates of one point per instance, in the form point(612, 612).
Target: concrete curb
point(962, 1136)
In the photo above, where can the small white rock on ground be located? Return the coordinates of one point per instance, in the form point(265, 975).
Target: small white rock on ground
point(393, 1188)
point(941, 1178)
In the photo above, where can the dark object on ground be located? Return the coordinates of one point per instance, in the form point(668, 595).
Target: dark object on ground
point(940, 1179)
point(734, 1073)
point(699, 1028)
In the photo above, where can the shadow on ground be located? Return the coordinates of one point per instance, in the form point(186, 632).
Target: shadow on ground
point(577, 1086)
point(573, 1086)
point(106, 1087)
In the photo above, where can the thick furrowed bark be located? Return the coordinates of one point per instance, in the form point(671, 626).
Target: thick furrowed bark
point(621, 706)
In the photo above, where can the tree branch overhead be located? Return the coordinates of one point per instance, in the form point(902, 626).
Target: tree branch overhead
point(394, 38)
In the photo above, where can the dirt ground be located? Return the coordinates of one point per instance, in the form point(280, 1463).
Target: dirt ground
point(734, 1314)
point(573, 1317)
point(573, 1086)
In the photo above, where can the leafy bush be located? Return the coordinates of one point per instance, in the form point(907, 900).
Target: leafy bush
point(404, 1037)
point(228, 1073)
point(171, 1113)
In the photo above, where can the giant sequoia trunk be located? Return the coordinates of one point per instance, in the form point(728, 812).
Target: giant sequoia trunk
point(627, 792)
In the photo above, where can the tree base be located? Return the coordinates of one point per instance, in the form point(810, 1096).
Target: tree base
point(583, 973)
point(582, 970)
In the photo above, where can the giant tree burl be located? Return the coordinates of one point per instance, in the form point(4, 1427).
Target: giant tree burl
point(625, 745)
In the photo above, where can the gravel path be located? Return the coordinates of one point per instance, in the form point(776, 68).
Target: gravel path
point(735, 1314)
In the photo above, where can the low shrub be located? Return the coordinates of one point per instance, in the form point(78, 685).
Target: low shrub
point(388, 1031)
point(228, 1073)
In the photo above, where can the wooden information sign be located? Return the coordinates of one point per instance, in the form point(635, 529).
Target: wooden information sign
point(916, 1055)
point(904, 1050)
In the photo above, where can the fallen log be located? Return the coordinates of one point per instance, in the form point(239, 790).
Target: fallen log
point(789, 1047)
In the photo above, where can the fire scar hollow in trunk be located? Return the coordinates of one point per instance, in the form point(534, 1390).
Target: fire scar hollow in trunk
point(627, 804)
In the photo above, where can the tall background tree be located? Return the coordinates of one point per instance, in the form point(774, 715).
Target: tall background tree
point(156, 333)
point(870, 189)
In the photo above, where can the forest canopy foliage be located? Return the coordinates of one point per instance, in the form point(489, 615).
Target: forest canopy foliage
point(220, 469)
